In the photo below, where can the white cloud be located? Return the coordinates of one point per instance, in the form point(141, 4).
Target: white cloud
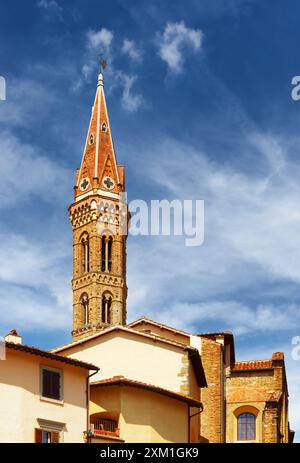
point(34, 289)
point(131, 102)
point(251, 246)
point(34, 282)
point(25, 99)
point(100, 40)
point(51, 9)
point(177, 39)
point(25, 171)
point(97, 43)
point(130, 48)
point(243, 319)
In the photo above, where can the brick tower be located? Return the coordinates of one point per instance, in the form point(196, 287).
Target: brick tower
point(99, 221)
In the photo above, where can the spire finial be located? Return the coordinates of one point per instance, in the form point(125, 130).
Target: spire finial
point(103, 64)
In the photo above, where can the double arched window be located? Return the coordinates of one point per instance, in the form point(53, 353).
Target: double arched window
point(85, 253)
point(106, 308)
point(106, 253)
point(84, 300)
point(246, 423)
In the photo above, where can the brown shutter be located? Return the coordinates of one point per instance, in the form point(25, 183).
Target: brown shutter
point(51, 384)
point(55, 385)
point(54, 437)
point(46, 383)
point(38, 436)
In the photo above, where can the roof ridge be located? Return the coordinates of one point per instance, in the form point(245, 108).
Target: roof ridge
point(143, 318)
point(123, 328)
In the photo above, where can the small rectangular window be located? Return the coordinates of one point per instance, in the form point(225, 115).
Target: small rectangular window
point(46, 437)
point(51, 387)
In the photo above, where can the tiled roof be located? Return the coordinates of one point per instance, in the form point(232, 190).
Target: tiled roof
point(159, 324)
point(252, 365)
point(49, 355)
point(124, 329)
point(192, 351)
point(122, 381)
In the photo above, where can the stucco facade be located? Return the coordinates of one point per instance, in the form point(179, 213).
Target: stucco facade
point(142, 416)
point(23, 409)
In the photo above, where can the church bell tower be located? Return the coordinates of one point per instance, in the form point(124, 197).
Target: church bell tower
point(99, 222)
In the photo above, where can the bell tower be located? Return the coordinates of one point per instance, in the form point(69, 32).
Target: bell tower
point(99, 222)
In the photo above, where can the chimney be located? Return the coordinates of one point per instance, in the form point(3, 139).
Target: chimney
point(14, 337)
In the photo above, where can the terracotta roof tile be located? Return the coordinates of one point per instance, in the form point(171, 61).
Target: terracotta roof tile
point(252, 365)
point(50, 355)
point(122, 381)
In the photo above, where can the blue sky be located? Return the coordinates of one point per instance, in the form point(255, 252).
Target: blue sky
point(199, 100)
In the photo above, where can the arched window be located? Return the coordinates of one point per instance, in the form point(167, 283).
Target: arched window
point(109, 253)
point(103, 253)
point(85, 253)
point(103, 127)
point(106, 253)
point(246, 423)
point(84, 300)
point(106, 308)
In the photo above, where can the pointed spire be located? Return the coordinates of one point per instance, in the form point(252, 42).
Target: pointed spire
point(100, 79)
point(99, 169)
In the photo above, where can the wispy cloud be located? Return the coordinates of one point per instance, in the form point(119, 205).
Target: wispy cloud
point(131, 102)
point(130, 49)
point(51, 9)
point(26, 98)
point(176, 40)
point(26, 171)
point(243, 319)
point(248, 215)
point(101, 40)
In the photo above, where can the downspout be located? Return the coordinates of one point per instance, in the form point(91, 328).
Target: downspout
point(189, 425)
point(190, 417)
point(88, 430)
point(222, 394)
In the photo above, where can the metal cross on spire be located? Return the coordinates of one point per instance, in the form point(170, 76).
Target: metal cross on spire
point(103, 62)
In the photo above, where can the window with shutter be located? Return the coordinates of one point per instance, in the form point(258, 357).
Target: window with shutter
point(55, 437)
point(38, 436)
point(46, 437)
point(51, 383)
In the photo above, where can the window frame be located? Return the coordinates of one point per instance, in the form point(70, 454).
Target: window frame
point(39, 436)
point(61, 384)
point(246, 424)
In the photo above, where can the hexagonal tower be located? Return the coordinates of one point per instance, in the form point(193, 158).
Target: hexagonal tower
point(99, 221)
